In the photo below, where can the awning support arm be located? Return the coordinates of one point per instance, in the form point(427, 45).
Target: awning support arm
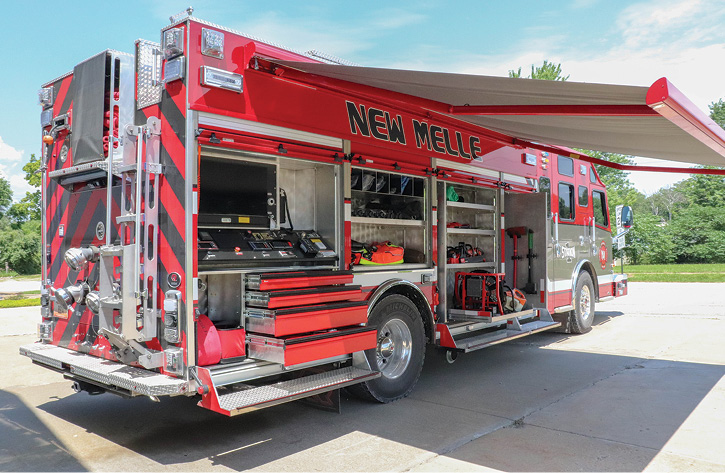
point(622, 167)
point(554, 110)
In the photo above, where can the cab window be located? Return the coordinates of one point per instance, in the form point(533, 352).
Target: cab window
point(583, 196)
point(599, 202)
point(566, 201)
point(545, 186)
point(565, 166)
point(593, 176)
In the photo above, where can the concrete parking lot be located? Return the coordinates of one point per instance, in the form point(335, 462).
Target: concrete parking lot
point(643, 391)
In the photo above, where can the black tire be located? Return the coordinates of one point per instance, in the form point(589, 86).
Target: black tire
point(396, 313)
point(582, 316)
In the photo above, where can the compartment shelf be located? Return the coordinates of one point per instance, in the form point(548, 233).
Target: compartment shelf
point(387, 221)
point(469, 205)
point(471, 231)
point(485, 264)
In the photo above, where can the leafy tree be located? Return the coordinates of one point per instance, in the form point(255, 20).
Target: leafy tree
point(20, 223)
point(6, 195)
point(648, 241)
point(698, 235)
point(707, 190)
point(665, 201)
point(21, 248)
point(29, 206)
point(717, 112)
point(547, 71)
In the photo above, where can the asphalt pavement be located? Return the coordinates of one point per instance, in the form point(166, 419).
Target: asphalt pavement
point(643, 391)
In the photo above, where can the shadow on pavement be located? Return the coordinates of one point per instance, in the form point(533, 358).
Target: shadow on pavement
point(483, 391)
point(26, 443)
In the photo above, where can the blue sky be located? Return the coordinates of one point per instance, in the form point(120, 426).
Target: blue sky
point(610, 41)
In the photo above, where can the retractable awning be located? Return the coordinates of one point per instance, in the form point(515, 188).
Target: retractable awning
point(656, 121)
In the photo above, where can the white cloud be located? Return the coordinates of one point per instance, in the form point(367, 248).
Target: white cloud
point(8, 153)
point(11, 162)
point(342, 39)
point(650, 182)
point(19, 186)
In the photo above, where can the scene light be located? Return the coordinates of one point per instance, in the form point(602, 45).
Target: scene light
point(213, 77)
point(212, 43)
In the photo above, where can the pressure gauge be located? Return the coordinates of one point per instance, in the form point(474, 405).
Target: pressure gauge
point(63, 153)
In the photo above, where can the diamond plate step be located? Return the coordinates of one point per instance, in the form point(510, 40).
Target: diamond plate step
point(265, 396)
point(105, 372)
point(504, 335)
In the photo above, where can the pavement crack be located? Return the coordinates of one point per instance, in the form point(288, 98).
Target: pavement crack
point(593, 437)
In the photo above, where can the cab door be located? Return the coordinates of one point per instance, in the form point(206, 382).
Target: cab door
point(566, 232)
point(584, 211)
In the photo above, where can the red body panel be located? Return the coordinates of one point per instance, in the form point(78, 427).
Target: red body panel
point(311, 298)
point(327, 348)
point(323, 319)
point(303, 279)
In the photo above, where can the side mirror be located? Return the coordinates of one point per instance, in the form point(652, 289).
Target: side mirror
point(627, 217)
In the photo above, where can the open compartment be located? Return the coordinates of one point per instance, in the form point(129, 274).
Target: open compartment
point(468, 237)
point(526, 220)
point(266, 211)
point(389, 207)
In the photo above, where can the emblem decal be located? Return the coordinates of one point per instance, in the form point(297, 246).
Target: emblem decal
point(603, 255)
point(100, 230)
point(174, 280)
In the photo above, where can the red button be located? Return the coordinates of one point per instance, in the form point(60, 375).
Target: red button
point(236, 248)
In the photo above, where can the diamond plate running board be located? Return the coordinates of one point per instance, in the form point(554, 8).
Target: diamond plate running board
point(259, 397)
point(104, 372)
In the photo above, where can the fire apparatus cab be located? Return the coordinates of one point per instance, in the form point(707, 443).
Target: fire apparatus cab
point(219, 223)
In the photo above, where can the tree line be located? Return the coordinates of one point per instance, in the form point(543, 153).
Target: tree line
point(20, 224)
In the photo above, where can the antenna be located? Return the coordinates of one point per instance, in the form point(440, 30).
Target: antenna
point(180, 15)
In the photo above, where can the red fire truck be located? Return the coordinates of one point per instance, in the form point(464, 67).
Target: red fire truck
point(227, 219)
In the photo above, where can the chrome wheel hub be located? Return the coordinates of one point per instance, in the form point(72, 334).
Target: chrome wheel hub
point(394, 348)
point(585, 303)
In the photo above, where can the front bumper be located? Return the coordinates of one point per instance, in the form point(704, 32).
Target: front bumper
point(619, 285)
point(110, 374)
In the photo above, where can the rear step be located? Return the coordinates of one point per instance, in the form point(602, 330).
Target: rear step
point(542, 321)
point(254, 398)
point(104, 372)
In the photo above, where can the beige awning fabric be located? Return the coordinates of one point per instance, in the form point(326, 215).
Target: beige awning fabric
point(656, 121)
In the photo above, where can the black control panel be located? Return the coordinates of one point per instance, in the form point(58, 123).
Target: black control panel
point(230, 245)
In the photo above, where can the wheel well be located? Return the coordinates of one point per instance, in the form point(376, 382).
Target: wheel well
point(587, 267)
point(417, 298)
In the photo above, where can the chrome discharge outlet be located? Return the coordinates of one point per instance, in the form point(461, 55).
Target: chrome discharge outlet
point(78, 258)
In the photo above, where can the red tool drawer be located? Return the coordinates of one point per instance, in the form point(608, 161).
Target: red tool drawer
point(306, 319)
point(305, 296)
point(297, 279)
point(297, 350)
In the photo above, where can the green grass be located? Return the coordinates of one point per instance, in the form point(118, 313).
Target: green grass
point(8, 303)
point(675, 272)
point(18, 277)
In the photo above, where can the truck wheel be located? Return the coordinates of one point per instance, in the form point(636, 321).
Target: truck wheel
point(400, 352)
point(583, 314)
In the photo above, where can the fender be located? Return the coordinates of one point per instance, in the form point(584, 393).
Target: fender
point(575, 274)
point(407, 288)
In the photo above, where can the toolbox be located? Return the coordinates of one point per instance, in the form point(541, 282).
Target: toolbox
point(297, 350)
point(303, 296)
point(296, 320)
point(297, 279)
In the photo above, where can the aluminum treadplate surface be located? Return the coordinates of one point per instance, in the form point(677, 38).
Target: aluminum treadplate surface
point(137, 380)
point(285, 391)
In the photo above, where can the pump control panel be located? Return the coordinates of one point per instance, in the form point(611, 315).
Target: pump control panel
point(229, 245)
